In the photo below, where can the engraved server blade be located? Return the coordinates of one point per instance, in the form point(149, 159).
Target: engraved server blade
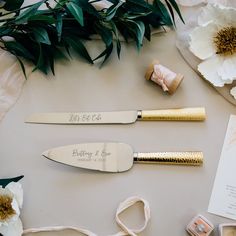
point(107, 157)
point(116, 157)
point(115, 117)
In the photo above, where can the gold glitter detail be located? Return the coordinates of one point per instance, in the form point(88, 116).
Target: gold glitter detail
point(6, 210)
point(225, 41)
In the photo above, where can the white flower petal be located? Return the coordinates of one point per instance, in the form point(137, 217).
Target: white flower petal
point(190, 3)
point(201, 44)
point(227, 70)
point(219, 14)
point(15, 206)
point(208, 69)
point(17, 190)
point(233, 92)
point(207, 15)
point(14, 228)
point(226, 3)
point(5, 191)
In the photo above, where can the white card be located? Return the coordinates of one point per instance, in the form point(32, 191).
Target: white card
point(223, 197)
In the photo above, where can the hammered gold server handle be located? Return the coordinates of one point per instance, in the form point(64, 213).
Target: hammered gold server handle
point(185, 114)
point(170, 158)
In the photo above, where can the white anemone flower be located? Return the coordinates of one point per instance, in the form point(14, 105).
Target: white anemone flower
point(214, 42)
point(11, 199)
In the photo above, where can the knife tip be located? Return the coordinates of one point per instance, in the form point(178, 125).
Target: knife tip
point(45, 154)
point(28, 120)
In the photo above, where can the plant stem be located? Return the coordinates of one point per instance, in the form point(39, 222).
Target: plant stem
point(19, 9)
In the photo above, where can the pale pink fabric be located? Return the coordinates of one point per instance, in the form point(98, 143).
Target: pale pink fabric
point(11, 82)
point(121, 208)
point(163, 76)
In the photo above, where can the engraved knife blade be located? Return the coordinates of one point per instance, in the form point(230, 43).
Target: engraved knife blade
point(119, 117)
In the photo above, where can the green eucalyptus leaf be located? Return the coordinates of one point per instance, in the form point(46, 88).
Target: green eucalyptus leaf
point(42, 61)
point(118, 44)
point(5, 182)
point(138, 28)
point(4, 30)
point(136, 15)
point(123, 30)
point(111, 11)
point(26, 14)
point(22, 66)
point(107, 52)
point(43, 19)
point(147, 33)
point(43, 12)
point(51, 60)
point(58, 54)
point(12, 5)
point(118, 47)
point(59, 24)
point(18, 49)
point(171, 11)
point(88, 8)
point(41, 35)
point(61, 2)
point(79, 47)
point(175, 6)
point(105, 33)
point(76, 11)
point(160, 7)
point(53, 54)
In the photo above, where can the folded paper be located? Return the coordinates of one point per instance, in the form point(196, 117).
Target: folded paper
point(223, 197)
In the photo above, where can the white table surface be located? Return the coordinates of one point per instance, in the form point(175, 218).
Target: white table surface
point(55, 194)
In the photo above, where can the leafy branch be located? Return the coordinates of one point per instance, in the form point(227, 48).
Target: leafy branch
point(43, 36)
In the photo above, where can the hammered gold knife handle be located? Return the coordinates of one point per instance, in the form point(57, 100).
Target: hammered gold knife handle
point(170, 158)
point(191, 114)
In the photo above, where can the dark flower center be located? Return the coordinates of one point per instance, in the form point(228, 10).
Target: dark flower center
point(6, 210)
point(225, 41)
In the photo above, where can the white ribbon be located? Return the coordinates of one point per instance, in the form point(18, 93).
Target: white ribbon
point(121, 208)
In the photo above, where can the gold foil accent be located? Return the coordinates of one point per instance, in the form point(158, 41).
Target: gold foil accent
point(185, 114)
point(170, 158)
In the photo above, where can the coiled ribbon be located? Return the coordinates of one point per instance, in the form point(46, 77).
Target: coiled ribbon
point(121, 208)
point(163, 76)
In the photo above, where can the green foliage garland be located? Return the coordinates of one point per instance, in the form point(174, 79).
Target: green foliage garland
point(42, 36)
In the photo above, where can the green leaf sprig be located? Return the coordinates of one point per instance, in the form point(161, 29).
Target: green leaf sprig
point(5, 182)
point(43, 36)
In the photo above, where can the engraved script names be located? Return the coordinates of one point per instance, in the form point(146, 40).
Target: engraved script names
point(96, 156)
point(84, 117)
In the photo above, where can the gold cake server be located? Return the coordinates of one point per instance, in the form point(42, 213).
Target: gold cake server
point(116, 157)
point(119, 117)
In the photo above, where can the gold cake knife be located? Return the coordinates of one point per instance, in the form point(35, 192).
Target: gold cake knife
point(116, 157)
point(119, 117)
